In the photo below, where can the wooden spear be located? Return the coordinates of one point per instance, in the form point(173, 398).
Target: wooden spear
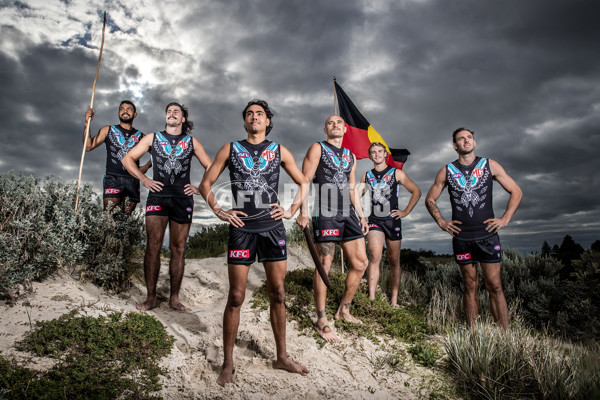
point(89, 120)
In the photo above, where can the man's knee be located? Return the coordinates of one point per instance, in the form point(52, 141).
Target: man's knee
point(177, 249)
point(277, 295)
point(471, 285)
point(236, 298)
point(375, 258)
point(360, 264)
point(494, 288)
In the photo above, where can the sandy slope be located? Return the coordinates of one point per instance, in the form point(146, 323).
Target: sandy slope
point(345, 370)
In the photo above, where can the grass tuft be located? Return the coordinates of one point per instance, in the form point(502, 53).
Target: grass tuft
point(113, 356)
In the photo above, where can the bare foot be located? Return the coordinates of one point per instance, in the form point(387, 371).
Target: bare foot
point(177, 306)
point(149, 304)
point(340, 316)
point(226, 376)
point(291, 366)
point(326, 333)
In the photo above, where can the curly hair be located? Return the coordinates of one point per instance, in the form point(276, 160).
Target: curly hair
point(187, 125)
point(265, 107)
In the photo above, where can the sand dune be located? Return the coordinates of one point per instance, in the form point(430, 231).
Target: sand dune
point(345, 370)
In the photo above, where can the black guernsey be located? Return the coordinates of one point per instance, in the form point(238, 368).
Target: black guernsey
point(384, 192)
point(470, 189)
point(171, 161)
point(118, 143)
point(332, 179)
point(254, 175)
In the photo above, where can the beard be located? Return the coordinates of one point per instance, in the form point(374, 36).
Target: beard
point(126, 120)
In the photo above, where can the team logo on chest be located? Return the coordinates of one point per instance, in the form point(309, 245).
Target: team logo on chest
point(121, 143)
point(381, 188)
point(255, 169)
point(340, 167)
point(174, 155)
point(465, 189)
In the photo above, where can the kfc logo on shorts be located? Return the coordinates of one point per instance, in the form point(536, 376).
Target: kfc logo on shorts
point(373, 226)
point(330, 232)
point(268, 155)
point(189, 209)
point(387, 178)
point(478, 172)
point(457, 176)
point(497, 247)
point(239, 253)
point(397, 229)
point(243, 155)
point(112, 191)
point(152, 208)
point(463, 257)
point(281, 242)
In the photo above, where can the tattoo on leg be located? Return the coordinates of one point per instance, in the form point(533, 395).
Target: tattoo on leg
point(326, 249)
point(347, 306)
point(321, 313)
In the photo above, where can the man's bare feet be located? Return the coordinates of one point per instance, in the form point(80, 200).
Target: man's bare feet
point(291, 366)
point(346, 316)
point(176, 305)
point(325, 331)
point(226, 376)
point(149, 304)
point(179, 307)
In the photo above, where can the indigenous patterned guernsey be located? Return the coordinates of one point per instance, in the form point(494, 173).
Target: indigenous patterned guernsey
point(332, 177)
point(384, 192)
point(254, 175)
point(171, 160)
point(119, 142)
point(470, 189)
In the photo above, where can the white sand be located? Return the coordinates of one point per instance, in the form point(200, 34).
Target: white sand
point(345, 370)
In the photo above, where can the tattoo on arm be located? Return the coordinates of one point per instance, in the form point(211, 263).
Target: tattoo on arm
point(326, 249)
point(321, 313)
point(434, 210)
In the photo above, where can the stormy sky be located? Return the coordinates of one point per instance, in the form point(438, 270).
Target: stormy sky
point(525, 75)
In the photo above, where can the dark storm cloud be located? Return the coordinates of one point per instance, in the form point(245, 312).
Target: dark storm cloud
point(523, 75)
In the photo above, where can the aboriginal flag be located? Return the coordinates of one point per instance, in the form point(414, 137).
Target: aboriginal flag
point(360, 133)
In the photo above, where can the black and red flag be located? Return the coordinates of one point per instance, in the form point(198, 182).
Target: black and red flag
point(360, 133)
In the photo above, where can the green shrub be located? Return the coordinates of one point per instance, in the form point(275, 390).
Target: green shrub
point(107, 357)
point(404, 323)
point(40, 232)
point(209, 241)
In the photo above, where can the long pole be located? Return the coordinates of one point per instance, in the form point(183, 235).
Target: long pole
point(89, 120)
point(335, 111)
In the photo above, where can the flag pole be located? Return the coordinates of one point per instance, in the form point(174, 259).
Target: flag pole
point(335, 111)
point(89, 120)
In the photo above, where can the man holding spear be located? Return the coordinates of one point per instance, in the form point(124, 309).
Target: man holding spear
point(119, 139)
